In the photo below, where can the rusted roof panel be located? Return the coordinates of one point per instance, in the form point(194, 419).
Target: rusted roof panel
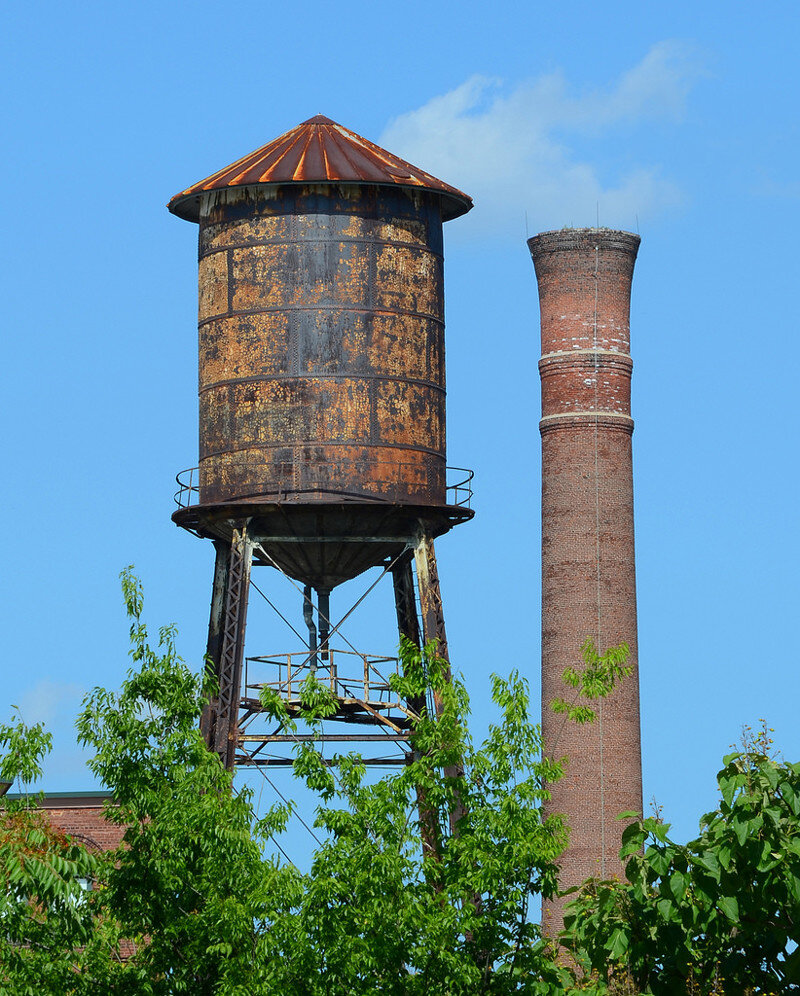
point(319, 151)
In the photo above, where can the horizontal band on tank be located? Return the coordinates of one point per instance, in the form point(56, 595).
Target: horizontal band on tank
point(339, 240)
point(203, 209)
point(321, 307)
point(323, 444)
point(293, 212)
point(313, 375)
point(605, 420)
point(604, 356)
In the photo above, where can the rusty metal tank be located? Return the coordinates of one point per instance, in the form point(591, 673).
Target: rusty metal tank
point(321, 340)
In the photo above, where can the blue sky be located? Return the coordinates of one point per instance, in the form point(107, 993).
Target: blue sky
point(678, 120)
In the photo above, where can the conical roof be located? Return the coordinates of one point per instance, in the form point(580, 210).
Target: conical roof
point(318, 151)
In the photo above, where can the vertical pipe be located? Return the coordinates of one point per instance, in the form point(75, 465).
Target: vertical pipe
point(588, 574)
point(324, 614)
point(308, 617)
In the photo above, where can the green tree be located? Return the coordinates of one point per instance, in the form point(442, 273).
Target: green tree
point(719, 914)
point(47, 925)
point(204, 906)
point(208, 912)
point(189, 886)
point(380, 915)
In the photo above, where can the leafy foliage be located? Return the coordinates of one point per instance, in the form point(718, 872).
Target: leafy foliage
point(719, 914)
point(204, 909)
point(378, 915)
point(25, 749)
point(189, 885)
point(596, 680)
point(45, 916)
point(200, 905)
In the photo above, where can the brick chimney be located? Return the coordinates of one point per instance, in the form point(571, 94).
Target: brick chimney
point(588, 572)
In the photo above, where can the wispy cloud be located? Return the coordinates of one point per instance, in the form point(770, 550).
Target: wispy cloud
point(56, 704)
point(768, 185)
point(510, 147)
point(50, 702)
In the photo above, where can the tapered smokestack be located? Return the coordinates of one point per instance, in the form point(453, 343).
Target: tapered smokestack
point(588, 574)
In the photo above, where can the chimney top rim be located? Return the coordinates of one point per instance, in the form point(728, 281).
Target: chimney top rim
point(583, 239)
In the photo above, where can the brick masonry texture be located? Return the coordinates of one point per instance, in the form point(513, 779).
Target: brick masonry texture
point(83, 818)
point(588, 573)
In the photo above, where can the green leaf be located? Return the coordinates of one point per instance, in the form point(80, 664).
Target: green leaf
point(727, 786)
point(617, 945)
point(730, 907)
point(677, 884)
point(791, 797)
point(708, 861)
point(739, 828)
point(666, 909)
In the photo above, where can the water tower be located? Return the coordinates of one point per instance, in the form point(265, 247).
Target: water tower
point(322, 413)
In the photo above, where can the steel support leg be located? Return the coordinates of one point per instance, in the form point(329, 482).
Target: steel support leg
point(226, 643)
point(430, 599)
point(404, 601)
point(406, 606)
point(214, 644)
point(408, 626)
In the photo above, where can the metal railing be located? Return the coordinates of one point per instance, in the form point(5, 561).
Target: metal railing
point(188, 492)
point(365, 678)
point(459, 492)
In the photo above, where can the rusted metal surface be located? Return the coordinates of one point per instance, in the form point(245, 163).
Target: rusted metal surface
point(219, 591)
point(358, 683)
point(405, 599)
point(322, 403)
point(321, 352)
point(319, 151)
point(459, 487)
point(226, 643)
point(430, 599)
point(432, 611)
point(322, 347)
point(323, 544)
point(406, 609)
point(408, 627)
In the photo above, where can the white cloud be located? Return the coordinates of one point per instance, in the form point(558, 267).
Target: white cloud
point(56, 704)
point(509, 149)
point(50, 702)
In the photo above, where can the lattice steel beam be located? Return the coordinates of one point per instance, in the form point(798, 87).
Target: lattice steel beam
point(226, 642)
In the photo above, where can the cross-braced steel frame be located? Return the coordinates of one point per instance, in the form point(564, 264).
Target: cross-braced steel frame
point(227, 723)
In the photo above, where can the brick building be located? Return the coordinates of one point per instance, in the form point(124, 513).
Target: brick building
point(80, 814)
